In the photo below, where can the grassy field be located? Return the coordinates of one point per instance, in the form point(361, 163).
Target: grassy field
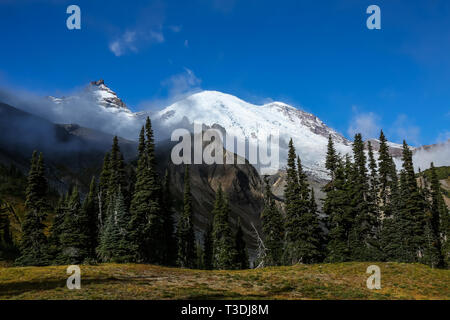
point(133, 281)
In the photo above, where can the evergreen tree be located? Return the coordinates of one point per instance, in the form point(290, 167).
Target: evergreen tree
point(8, 248)
point(34, 247)
point(293, 209)
point(185, 228)
point(170, 242)
point(199, 256)
point(339, 215)
point(223, 243)
point(56, 229)
point(90, 211)
point(272, 228)
point(388, 204)
point(435, 212)
point(208, 248)
point(102, 196)
point(362, 236)
point(117, 178)
point(411, 220)
point(302, 241)
point(241, 258)
point(114, 241)
point(74, 234)
point(146, 224)
point(332, 158)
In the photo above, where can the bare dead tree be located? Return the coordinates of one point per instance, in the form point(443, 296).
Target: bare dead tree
point(261, 251)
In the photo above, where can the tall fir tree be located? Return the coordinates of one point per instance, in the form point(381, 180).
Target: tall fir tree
point(185, 228)
point(411, 220)
point(302, 242)
point(434, 253)
point(74, 236)
point(117, 177)
point(55, 229)
point(114, 240)
point(272, 228)
point(102, 195)
point(90, 211)
point(241, 257)
point(362, 236)
point(332, 158)
point(170, 241)
point(224, 251)
point(388, 204)
point(208, 247)
point(34, 246)
point(293, 207)
point(146, 224)
point(338, 213)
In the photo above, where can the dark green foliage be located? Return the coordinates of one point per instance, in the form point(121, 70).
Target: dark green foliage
point(339, 215)
point(437, 209)
point(146, 224)
point(441, 173)
point(185, 228)
point(411, 220)
point(332, 158)
point(74, 232)
point(105, 176)
point(224, 251)
point(114, 240)
point(272, 228)
point(208, 248)
point(302, 240)
point(34, 248)
point(8, 249)
point(199, 254)
point(362, 238)
point(12, 182)
point(117, 178)
point(241, 258)
point(56, 229)
point(90, 211)
point(170, 241)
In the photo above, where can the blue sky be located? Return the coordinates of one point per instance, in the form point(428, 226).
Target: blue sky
point(316, 55)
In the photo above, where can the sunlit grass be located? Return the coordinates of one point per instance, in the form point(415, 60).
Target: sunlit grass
point(137, 281)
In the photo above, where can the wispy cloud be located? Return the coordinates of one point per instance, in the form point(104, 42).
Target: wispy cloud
point(366, 123)
point(174, 88)
point(131, 41)
point(148, 30)
point(404, 129)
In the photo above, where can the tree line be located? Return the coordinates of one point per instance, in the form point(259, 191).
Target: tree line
point(125, 217)
point(371, 212)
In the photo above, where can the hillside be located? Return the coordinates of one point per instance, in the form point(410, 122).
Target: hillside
point(320, 281)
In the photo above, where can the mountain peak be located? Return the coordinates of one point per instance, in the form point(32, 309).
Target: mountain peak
point(98, 82)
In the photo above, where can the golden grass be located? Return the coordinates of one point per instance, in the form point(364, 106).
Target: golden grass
point(137, 281)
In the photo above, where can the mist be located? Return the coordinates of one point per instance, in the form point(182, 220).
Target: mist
point(80, 109)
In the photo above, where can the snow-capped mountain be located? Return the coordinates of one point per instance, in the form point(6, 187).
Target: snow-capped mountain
point(98, 93)
point(246, 121)
point(255, 123)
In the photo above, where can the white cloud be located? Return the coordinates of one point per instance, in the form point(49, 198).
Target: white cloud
point(186, 43)
point(176, 87)
point(404, 129)
point(439, 155)
point(82, 110)
point(364, 123)
point(130, 41)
